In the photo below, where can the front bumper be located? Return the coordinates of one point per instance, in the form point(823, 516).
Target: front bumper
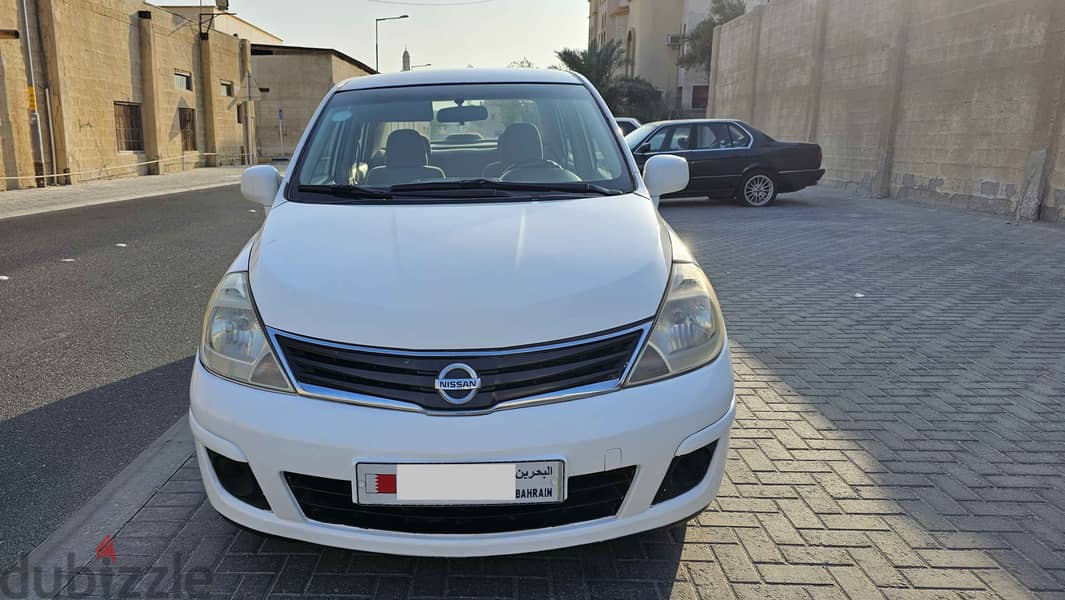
point(644, 426)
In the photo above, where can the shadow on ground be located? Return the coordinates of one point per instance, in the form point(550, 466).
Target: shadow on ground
point(56, 446)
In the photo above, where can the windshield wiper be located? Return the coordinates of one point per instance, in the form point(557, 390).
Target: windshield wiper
point(347, 191)
point(571, 187)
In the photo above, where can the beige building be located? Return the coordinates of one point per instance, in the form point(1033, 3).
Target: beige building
point(648, 30)
point(123, 88)
point(652, 33)
point(120, 87)
point(290, 83)
point(225, 22)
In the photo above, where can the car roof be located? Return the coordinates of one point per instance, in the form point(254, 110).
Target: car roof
point(691, 121)
point(459, 76)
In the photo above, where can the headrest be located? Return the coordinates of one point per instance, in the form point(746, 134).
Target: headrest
point(406, 148)
point(520, 142)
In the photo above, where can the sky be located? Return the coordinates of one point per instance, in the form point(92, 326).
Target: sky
point(445, 33)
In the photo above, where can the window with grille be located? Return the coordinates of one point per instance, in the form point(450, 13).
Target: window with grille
point(700, 96)
point(187, 122)
point(128, 130)
point(182, 81)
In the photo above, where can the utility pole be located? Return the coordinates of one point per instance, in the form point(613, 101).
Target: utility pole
point(31, 93)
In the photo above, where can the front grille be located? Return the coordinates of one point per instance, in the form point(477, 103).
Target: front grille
point(506, 375)
point(590, 497)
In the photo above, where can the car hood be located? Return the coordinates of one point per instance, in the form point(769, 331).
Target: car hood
point(460, 276)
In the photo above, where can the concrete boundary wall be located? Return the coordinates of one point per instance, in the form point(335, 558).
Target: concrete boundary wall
point(955, 102)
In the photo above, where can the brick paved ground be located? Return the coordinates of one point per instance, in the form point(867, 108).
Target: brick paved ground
point(901, 379)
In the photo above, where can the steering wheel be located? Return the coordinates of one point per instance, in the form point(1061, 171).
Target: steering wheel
point(533, 163)
point(547, 171)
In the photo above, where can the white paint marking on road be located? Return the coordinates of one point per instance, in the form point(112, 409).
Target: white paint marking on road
point(859, 295)
point(4, 278)
point(251, 210)
point(120, 245)
point(67, 259)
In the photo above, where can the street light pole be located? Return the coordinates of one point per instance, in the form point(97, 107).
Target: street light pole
point(377, 38)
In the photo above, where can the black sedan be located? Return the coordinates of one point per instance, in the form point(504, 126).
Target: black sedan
point(730, 159)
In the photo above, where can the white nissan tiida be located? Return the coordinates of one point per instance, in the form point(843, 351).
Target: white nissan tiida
point(463, 329)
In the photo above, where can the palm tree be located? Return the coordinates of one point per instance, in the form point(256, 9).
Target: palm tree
point(600, 64)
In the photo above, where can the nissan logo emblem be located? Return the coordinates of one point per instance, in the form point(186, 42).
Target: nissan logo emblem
point(457, 383)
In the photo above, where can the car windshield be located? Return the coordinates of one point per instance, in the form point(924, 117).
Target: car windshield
point(529, 138)
point(634, 138)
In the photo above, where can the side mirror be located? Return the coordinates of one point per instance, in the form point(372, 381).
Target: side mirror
point(259, 184)
point(644, 149)
point(665, 174)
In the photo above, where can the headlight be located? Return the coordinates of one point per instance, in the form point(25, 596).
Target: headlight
point(688, 331)
point(234, 345)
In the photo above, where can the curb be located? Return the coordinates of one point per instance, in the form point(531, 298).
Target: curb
point(73, 545)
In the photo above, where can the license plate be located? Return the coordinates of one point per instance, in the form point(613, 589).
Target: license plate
point(532, 482)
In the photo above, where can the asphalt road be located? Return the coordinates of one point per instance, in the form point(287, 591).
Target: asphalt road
point(100, 314)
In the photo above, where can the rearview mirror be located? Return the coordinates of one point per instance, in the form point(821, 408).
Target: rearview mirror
point(259, 184)
point(462, 114)
point(665, 174)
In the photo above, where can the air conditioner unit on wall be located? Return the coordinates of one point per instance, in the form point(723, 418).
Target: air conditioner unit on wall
point(674, 40)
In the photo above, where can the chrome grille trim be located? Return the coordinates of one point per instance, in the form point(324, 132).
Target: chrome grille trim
point(335, 395)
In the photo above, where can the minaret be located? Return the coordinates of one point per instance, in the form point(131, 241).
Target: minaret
point(406, 60)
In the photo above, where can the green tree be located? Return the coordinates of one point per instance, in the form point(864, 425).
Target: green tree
point(723, 11)
point(600, 64)
point(638, 98)
point(699, 47)
point(524, 63)
point(699, 43)
point(604, 66)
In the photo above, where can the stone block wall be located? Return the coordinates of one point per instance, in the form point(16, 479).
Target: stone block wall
point(229, 132)
point(92, 62)
point(856, 90)
point(785, 70)
point(308, 77)
point(92, 55)
point(955, 102)
point(296, 79)
point(968, 104)
point(734, 71)
point(1054, 208)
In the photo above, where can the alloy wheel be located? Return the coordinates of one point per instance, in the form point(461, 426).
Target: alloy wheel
point(758, 190)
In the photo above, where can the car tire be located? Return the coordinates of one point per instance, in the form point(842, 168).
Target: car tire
point(758, 189)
